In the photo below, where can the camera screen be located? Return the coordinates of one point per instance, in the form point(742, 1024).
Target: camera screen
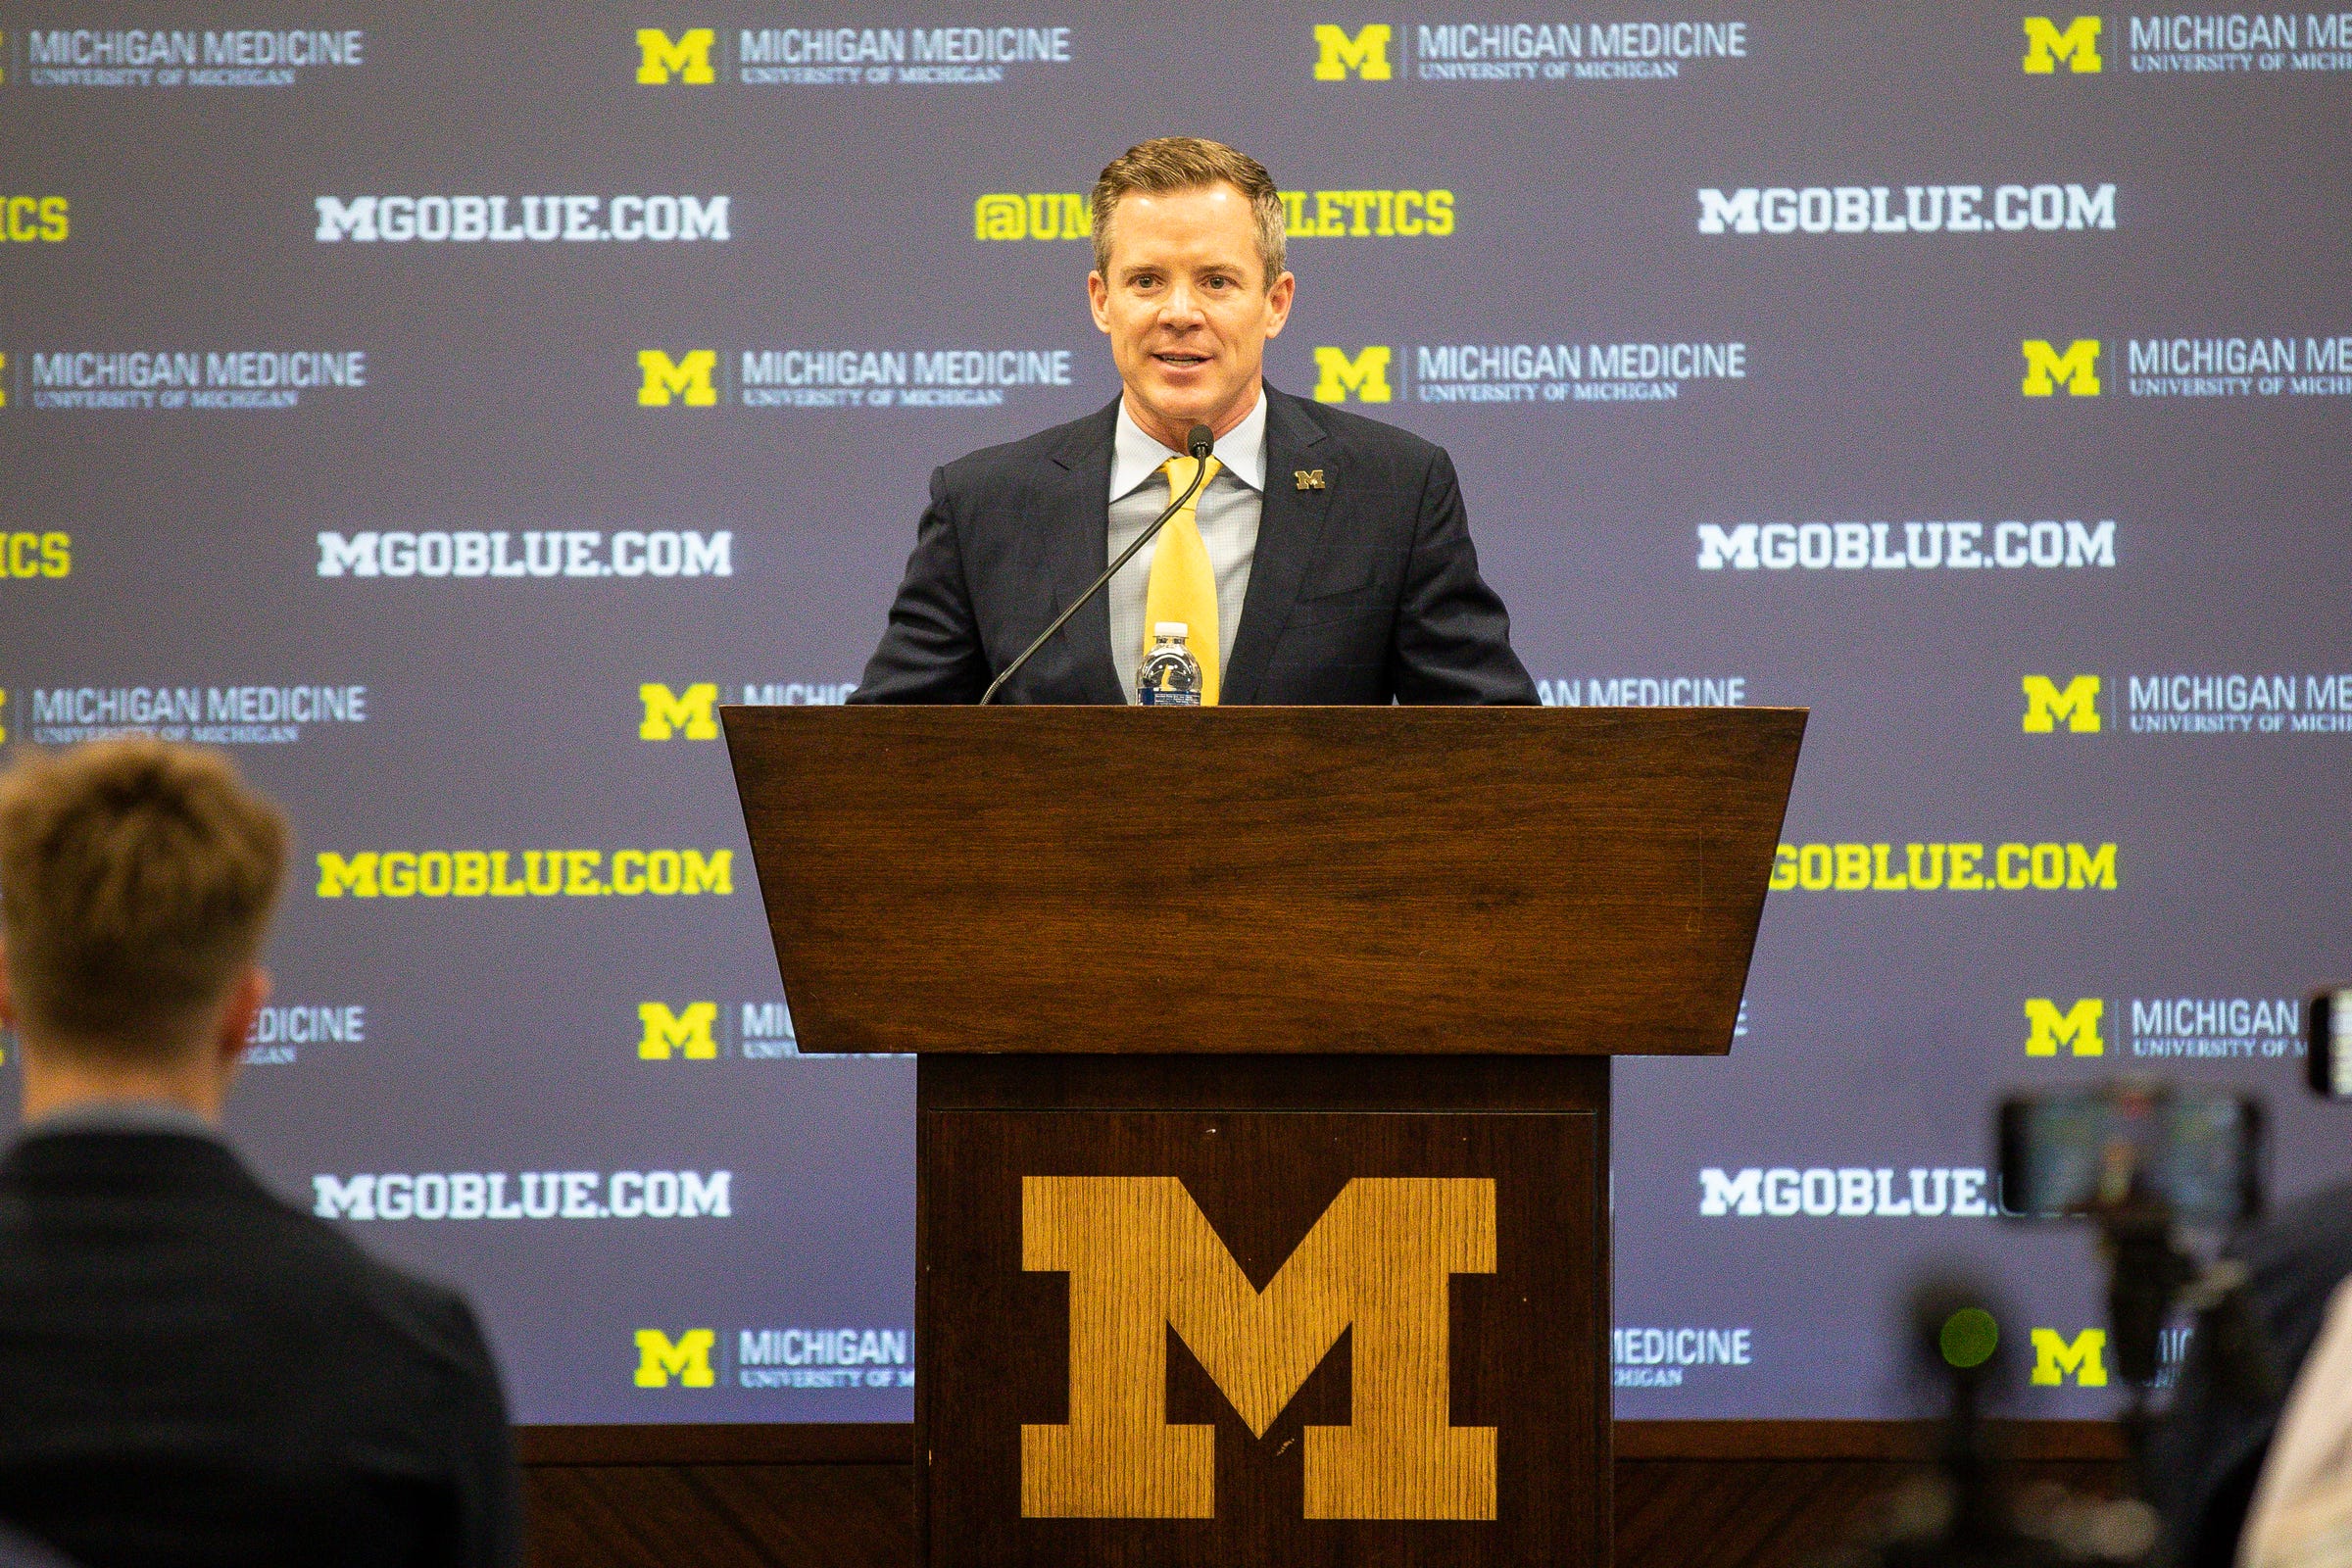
point(2092, 1150)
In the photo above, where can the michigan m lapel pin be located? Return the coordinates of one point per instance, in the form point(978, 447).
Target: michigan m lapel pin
point(1308, 478)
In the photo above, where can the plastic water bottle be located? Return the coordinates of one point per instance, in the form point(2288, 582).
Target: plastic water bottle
point(1169, 673)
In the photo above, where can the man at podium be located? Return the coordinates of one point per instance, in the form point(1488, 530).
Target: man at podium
point(1324, 558)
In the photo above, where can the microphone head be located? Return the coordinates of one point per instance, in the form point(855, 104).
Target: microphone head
point(1198, 441)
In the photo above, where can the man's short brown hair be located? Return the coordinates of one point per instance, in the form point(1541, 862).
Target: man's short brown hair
point(1170, 164)
point(136, 883)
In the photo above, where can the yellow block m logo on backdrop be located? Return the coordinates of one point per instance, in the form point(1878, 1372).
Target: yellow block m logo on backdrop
point(1367, 374)
point(2077, 702)
point(688, 1359)
point(1142, 1258)
point(2083, 1358)
point(355, 876)
point(664, 378)
point(2078, 44)
point(689, 57)
point(1366, 54)
point(688, 1032)
point(2047, 1028)
point(669, 713)
point(2077, 368)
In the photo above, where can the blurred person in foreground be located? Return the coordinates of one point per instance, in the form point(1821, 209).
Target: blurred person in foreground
point(192, 1372)
point(2207, 1456)
point(2301, 1513)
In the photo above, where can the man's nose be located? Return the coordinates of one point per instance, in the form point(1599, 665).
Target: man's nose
point(1182, 308)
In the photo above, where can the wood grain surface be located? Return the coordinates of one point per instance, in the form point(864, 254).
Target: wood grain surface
point(804, 1516)
point(1669, 1513)
point(836, 1442)
point(1377, 1265)
point(949, 1082)
point(1417, 880)
point(1523, 1343)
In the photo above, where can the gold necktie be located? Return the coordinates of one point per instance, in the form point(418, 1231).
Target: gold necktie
point(1184, 585)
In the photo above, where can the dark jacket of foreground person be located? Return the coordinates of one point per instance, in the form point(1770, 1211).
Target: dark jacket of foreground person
point(2209, 1451)
point(191, 1372)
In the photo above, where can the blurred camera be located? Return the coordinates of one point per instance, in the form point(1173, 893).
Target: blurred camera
point(2129, 1145)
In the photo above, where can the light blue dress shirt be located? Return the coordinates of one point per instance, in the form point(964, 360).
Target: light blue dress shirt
point(1228, 512)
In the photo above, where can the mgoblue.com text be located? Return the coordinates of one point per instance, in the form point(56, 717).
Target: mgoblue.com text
point(545, 553)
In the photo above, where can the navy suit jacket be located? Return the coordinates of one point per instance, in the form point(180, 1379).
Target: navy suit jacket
point(1364, 591)
point(195, 1375)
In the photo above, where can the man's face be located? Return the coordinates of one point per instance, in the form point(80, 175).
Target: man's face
point(1187, 308)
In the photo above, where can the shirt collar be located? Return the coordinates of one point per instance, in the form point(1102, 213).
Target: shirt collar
point(1137, 457)
point(124, 1117)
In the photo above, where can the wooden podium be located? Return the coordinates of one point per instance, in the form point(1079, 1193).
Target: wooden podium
point(1263, 1209)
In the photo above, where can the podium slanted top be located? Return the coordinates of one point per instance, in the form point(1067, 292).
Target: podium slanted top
point(1264, 880)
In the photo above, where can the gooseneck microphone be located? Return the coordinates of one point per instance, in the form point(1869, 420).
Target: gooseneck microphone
point(1199, 442)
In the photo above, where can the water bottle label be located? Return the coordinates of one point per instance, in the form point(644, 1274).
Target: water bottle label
point(1157, 695)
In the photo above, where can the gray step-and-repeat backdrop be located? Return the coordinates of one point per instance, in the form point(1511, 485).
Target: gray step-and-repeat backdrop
point(444, 408)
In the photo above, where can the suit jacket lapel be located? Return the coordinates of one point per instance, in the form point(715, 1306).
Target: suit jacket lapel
point(1077, 536)
point(1289, 534)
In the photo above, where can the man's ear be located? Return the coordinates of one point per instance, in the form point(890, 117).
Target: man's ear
point(246, 999)
point(1098, 300)
point(8, 1000)
point(1277, 303)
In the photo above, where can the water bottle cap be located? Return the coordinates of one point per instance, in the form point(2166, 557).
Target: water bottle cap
point(1171, 628)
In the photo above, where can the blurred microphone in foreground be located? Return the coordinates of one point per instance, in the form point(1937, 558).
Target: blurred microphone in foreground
point(1966, 1512)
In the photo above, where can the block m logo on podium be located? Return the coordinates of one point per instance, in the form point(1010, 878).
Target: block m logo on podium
point(1142, 1258)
